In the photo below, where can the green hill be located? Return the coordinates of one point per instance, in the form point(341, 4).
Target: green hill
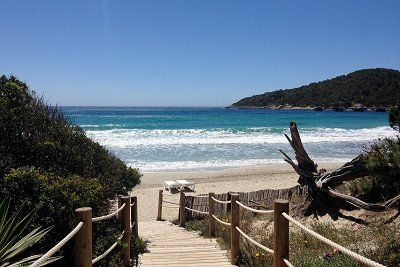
point(371, 87)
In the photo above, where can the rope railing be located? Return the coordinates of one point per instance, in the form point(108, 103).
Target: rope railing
point(254, 210)
point(288, 263)
point(221, 201)
point(59, 245)
point(109, 249)
point(254, 242)
point(281, 228)
point(221, 221)
point(197, 211)
point(325, 240)
point(83, 234)
point(108, 216)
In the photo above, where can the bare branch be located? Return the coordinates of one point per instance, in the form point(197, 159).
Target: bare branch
point(349, 171)
point(284, 154)
point(364, 205)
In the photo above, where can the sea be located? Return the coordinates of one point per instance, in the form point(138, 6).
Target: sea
point(159, 139)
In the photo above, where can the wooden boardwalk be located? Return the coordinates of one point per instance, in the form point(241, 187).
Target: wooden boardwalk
point(170, 245)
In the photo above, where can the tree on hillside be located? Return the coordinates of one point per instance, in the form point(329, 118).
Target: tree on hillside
point(377, 87)
point(394, 117)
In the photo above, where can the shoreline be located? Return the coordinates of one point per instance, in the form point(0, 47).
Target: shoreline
point(288, 107)
point(210, 171)
point(239, 179)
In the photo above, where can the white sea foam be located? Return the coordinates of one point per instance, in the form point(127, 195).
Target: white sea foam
point(212, 165)
point(135, 138)
point(204, 149)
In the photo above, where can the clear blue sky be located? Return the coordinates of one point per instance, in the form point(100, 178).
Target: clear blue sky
point(190, 53)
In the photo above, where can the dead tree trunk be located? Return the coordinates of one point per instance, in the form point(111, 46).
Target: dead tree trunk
point(321, 184)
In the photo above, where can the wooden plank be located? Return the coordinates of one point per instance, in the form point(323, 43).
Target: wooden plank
point(170, 245)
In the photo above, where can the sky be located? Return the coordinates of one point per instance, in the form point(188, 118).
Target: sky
point(190, 53)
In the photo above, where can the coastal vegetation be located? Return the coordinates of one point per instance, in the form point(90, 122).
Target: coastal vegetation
point(380, 166)
point(394, 117)
point(49, 165)
point(374, 88)
point(357, 206)
point(381, 242)
point(14, 240)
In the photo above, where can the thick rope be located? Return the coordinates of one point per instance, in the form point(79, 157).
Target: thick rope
point(254, 242)
point(221, 201)
point(54, 249)
point(333, 244)
point(197, 211)
point(108, 216)
point(170, 202)
point(220, 221)
point(108, 250)
point(255, 210)
point(288, 263)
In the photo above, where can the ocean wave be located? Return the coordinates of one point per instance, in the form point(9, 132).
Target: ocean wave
point(139, 138)
point(104, 126)
point(213, 164)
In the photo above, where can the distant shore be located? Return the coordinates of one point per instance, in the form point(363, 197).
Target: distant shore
point(243, 179)
point(317, 108)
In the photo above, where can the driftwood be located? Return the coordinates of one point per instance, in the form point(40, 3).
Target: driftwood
point(321, 183)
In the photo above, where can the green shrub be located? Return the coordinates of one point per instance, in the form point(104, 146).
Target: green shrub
point(53, 166)
point(200, 226)
point(55, 199)
point(138, 245)
point(383, 159)
point(14, 242)
point(394, 116)
point(35, 134)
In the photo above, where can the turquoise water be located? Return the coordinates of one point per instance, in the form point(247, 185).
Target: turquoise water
point(183, 139)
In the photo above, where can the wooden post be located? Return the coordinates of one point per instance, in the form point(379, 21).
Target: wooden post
point(281, 232)
point(234, 231)
point(229, 205)
point(126, 221)
point(182, 209)
point(134, 215)
point(83, 239)
point(211, 220)
point(160, 200)
point(119, 206)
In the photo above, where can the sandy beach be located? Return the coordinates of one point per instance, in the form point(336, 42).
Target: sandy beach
point(243, 179)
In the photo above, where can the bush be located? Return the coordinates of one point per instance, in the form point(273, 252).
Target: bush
point(383, 159)
point(37, 135)
point(55, 199)
point(394, 117)
point(54, 167)
point(15, 241)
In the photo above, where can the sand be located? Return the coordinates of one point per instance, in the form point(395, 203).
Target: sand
point(242, 179)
